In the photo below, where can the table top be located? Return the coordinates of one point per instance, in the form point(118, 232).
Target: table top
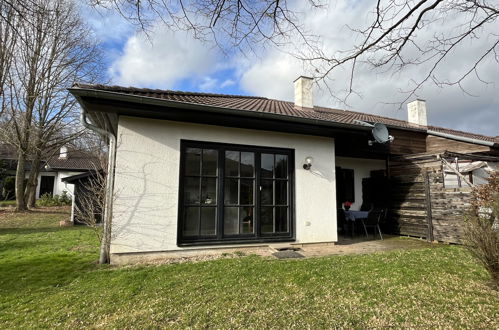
point(353, 215)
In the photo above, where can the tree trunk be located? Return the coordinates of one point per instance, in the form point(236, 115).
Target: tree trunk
point(20, 174)
point(30, 192)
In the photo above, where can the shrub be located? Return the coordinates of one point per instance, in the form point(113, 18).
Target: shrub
point(9, 188)
point(56, 200)
point(481, 230)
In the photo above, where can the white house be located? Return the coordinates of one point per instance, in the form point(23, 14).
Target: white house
point(196, 171)
point(67, 162)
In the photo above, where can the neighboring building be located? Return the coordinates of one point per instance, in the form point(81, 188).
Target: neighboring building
point(196, 170)
point(86, 208)
point(66, 163)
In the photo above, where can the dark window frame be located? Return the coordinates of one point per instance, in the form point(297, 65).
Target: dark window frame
point(257, 236)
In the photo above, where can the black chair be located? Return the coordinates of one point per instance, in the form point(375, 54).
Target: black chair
point(373, 220)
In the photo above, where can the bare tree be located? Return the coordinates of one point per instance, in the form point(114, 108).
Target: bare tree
point(395, 39)
point(232, 24)
point(89, 203)
point(7, 43)
point(53, 49)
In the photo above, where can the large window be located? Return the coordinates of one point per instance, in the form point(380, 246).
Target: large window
point(233, 192)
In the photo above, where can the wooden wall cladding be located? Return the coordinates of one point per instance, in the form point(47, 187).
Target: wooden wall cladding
point(421, 206)
point(437, 144)
point(407, 142)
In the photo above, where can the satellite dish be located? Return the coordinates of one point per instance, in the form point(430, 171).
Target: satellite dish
point(380, 134)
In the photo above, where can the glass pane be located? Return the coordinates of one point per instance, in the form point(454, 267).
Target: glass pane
point(210, 161)
point(231, 221)
point(232, 163)
point(192, 161)
point(247, 220)
point(208, 190)
point(281, 192)
point(267, 165)
point(267, 193)
point(231, 191)
point(281, 166)
point(281, 219)
point(191, 191)
point(191, 221)
point(208, 220)
point(267, 220)
point(246, 192)
point(247, 164)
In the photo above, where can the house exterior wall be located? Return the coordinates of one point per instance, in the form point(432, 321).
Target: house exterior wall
point(59, 186)
point(146, 186)
point(362, 169)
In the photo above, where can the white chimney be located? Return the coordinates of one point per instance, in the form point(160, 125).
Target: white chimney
point(303, 93)
point(416, 112)
point(63, 152)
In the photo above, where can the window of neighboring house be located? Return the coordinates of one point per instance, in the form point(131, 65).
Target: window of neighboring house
point(232, 193)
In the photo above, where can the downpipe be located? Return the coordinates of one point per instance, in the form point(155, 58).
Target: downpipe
point(104, 256)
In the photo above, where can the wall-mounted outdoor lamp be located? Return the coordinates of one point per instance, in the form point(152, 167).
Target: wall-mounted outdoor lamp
point(308, 163)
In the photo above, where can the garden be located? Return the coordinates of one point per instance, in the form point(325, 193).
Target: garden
point(49, 278)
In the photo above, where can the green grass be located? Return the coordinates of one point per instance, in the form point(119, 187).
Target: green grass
point(49, 278)
point(7, 203)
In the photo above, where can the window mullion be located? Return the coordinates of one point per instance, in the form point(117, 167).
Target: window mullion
point(257, 194)
point(221, 192)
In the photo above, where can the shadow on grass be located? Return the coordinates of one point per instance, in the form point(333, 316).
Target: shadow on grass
point(35, 273)
point(33, 230)
point(14, 244)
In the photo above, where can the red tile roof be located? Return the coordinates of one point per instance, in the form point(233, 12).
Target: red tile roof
point(262, 104)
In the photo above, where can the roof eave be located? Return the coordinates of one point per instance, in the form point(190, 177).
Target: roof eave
point(138, 99)
point(464, 139)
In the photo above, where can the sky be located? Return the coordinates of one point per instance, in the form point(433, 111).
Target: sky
point(166, 59)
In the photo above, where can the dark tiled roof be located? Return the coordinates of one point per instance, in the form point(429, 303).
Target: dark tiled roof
point(262, 104)
point(76, 160)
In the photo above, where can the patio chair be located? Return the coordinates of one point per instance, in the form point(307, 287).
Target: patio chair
point(373, 220)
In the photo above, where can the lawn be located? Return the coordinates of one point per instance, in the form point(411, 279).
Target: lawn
point(49, 278)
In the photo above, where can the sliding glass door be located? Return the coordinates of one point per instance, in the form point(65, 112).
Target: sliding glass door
point(235, 193)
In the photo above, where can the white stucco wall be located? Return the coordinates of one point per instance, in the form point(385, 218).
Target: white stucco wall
point(361, 169)
point(147, 181)
point(59, 186)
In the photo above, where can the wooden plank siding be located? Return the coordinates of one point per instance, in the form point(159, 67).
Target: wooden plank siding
point(421, 206)
point(407, 142)
point(437, 144)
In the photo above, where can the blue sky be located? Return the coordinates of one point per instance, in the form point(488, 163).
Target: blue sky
point(166, 59)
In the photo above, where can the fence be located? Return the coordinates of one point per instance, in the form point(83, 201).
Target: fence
point(420, 205)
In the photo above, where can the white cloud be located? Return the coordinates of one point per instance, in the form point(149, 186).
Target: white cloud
point(208, 84)
point(162, 60)
point(108, 25)
point(169, 58)
point(273, 74)
point(227, 83)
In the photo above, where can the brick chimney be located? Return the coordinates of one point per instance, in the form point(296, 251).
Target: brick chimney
point(304, 97)
point(416, 112)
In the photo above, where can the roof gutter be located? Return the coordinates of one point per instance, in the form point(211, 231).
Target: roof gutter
point(464, 139)
point(108, 203)
point(81, 92)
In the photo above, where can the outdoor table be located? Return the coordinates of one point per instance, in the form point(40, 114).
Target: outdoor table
point(356, 215)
